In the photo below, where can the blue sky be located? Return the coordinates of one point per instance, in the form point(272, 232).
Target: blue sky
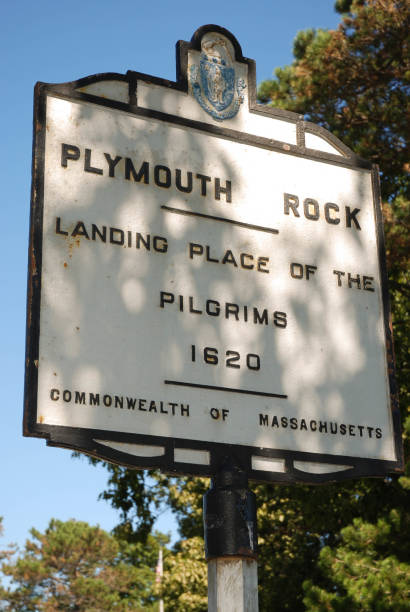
point(56, 42)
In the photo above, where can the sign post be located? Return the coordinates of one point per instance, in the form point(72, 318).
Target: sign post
point(206, 281)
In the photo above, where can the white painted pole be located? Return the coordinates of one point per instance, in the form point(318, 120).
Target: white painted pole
point(231, 541)
point(232, 585)
point(159, 574)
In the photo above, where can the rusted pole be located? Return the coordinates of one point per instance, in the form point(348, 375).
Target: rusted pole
point(231, 542)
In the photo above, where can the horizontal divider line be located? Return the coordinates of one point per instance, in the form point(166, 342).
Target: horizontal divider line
point(191, 213)
point(230, 389)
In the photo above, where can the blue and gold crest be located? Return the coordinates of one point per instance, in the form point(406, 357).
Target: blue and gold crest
point(214, 83)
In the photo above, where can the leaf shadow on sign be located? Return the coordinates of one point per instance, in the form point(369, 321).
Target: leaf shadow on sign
point(187, 303)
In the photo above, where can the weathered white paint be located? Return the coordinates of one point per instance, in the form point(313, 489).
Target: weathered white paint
point(103, 332)
point(139, 450)
point(232, 585)
point(190, 455)
point(268, 464)
point(112, 90)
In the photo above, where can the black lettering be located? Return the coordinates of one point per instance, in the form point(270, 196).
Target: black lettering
point(58, 228)
point(333, 428)
point(143, 172)
point(284, 421)
point(323, 426)
point(94, 399)
point(185, 188)
point(165, 298)
point(262, 261)
point(331, 219)
point(308, 204)
point(152, 406)
point(160, 244)
point(79, 397)
point(263, 419)
point(351, 217)
point(275, 422)
point(369, 431)
point(191, 306)
point(313, 425)
point(351, 280)
point(227, 190)
point(296, 270)
point(69, 152)
point(293, 423)
point(195, 249)
point(118, 401)
point(351, 430)
point(166, 173)
point(146, 242)
point(379, 433)
point(360, 428)
point(87, 164)
point(55, 394)
point(141, 405)
point(203, 180)
point(260, 318)
point(208, 256)
point(303, 424)
point(310, 270)
point(291, 202)
point(67, 395)
point(185, 410)
point(229, 258)
point(131, 401)
point(102, 234)
point(231, 309)
point(368, 283)
point(217, 309)
point(112, 163)
point(80, 230)
point(248, 266)
point(113, 239)
point(339, 275)
point(107, 400)
point(342, 429)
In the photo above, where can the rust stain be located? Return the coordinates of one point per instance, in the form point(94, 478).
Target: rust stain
point(65, 264)
point(36, 363)
point(41, 419)
point(33, 262)
point(77, 328)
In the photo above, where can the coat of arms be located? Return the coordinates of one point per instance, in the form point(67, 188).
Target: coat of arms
point(213, 82)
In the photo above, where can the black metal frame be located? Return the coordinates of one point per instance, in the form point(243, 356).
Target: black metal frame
point(85, 439)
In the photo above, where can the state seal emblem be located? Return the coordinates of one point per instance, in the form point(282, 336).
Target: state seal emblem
point(213, 81)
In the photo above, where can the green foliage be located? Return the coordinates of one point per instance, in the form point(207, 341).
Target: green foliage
point(134, 494)
point(355, 82)
point(367, 575)
point(184, 586)
point(345, 543)
point(73, 566)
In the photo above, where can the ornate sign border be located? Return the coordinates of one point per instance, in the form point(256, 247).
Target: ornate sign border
point(170, 452)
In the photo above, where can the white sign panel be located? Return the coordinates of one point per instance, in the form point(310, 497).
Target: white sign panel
point(206, 278)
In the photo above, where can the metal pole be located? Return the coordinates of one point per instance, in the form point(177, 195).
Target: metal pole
point(231, 542)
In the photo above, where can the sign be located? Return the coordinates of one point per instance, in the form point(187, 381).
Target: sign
point(206, 277)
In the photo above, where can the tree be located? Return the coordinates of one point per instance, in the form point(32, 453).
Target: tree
point(354, 81)
point(73, 566)
point(184, 584)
